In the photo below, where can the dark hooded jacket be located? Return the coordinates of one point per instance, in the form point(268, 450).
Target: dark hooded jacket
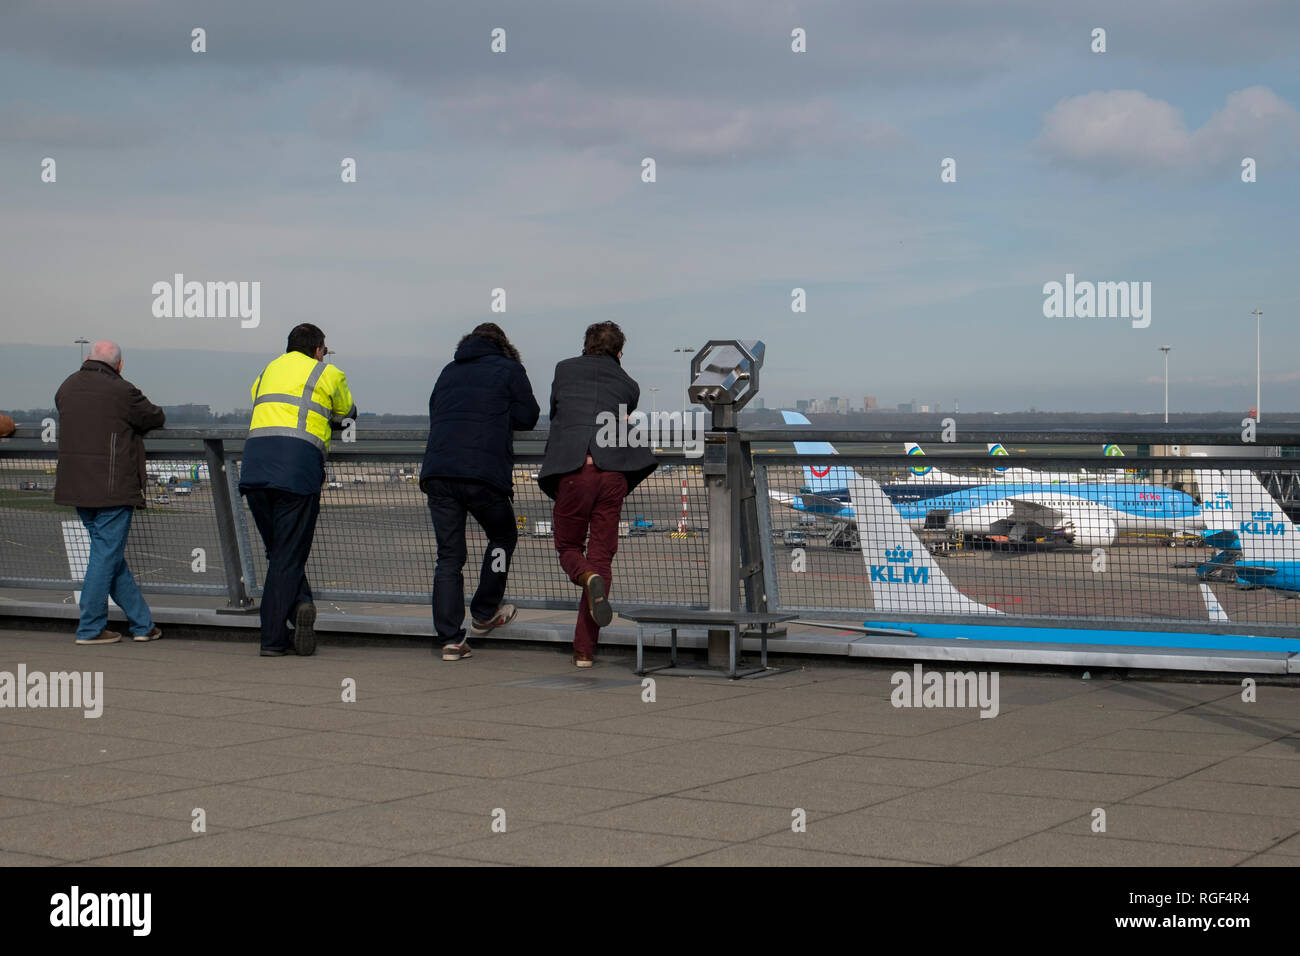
point(479, 400)
point(102, 421)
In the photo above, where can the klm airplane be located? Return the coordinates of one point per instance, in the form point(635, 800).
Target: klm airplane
point(1262, 545)
point(1087, 514)
point(906, 579)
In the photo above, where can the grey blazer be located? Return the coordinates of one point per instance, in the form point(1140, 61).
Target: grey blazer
point(584, 387)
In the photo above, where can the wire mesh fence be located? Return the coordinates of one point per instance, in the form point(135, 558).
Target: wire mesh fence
point(374, 539)
point(173, 545)
point(1195, 545)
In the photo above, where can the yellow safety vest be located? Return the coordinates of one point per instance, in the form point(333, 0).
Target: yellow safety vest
point(296, 396)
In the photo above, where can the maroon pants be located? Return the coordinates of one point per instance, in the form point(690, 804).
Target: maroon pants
point(587, 507)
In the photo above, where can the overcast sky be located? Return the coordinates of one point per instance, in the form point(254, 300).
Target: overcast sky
point(775, 170)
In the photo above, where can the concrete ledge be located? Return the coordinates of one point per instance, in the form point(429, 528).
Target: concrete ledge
point(1071, 655)
point(843, 647)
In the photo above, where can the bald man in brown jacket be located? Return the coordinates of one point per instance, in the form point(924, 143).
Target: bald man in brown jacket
point(102, 422)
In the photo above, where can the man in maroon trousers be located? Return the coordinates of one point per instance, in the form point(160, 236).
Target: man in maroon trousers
point(589, 469)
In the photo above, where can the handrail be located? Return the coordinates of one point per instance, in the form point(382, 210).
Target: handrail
point(1265, 434)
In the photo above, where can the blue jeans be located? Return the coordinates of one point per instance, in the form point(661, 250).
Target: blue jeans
point(107, 574)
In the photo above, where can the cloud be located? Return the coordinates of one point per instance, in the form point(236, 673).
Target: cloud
point(684, 129)
point(1119, 131)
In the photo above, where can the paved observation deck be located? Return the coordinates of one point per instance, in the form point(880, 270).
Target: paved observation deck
point(584, 770)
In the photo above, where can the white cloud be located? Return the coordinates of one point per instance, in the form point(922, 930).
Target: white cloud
point(1125, 130)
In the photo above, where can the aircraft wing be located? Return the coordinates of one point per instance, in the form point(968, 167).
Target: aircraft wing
point(1029, 510)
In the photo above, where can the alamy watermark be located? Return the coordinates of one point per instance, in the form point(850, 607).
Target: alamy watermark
point(946, 689)
point(82, 690)
point(179, 299)
point(640, 429)
point(1098, 300)
point(128, 910)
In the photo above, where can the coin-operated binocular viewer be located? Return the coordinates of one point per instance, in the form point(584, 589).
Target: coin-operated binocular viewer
point(724, 378)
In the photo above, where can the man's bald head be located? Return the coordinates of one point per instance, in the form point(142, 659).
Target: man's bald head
point(108, 353)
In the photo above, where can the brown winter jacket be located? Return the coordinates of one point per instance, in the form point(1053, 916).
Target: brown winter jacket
point(102, 421)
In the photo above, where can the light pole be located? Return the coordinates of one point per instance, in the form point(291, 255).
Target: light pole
point(1257, 314)
point(1165, 349)
point(83, 342)
point(685, 383)
point(654, 402)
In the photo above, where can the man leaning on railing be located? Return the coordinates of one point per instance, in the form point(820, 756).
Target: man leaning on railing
point(102, 422)
point(296, 401)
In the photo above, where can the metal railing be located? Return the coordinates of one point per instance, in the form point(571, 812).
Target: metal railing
point(374, 540)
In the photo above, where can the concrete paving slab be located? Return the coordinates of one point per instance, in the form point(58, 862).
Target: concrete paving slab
point(250, 848)
point(398, 825)
point(1281, 801)
point(228, 806)
point(863, 833)
point(1259, 771)
point(805, 739)
point(629, 773)
point(82, 785)
point(1087, 758)
point(788, 789)
point(555, 844)
point(657, 724)
point(75, 834)
point(219, 764)
point(868, 768)
point(66, 747)
point(364, 783)
point(1170, 741)
point(1068, 784)
point(588, 744)
point(1101, 850)
point(1228, 831)
point(527, 800)
point(757, 854)
point(699, 819)
point(469, 759)
point(1001, 810)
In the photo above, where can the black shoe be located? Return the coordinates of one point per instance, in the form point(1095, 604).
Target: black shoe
point(597, 602)
point(304, 631)
point(276, 651)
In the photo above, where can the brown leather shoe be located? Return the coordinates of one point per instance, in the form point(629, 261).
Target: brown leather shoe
point(151, 636)
point(583, 660)
point(105, 637)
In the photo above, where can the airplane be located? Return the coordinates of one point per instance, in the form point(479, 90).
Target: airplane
point(1015, 473)
point(1262, 546)
point(165, 471)
point(1086, 514)
point(906, 579)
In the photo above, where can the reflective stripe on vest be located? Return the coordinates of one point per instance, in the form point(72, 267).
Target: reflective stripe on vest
point(304, 403)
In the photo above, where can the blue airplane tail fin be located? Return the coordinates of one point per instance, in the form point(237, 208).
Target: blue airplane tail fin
point(821, 477)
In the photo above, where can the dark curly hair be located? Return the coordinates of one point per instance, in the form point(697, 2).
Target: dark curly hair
point(494, 333)
point(603, 338)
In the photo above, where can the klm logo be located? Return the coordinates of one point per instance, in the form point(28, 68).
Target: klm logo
point(1260, 524)
point(1220, 502)
point(896, 560)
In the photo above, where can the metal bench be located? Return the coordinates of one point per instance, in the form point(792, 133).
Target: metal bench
point(734, 622)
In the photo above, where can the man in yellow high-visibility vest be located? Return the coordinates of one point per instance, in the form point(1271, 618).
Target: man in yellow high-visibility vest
point(296, 400)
